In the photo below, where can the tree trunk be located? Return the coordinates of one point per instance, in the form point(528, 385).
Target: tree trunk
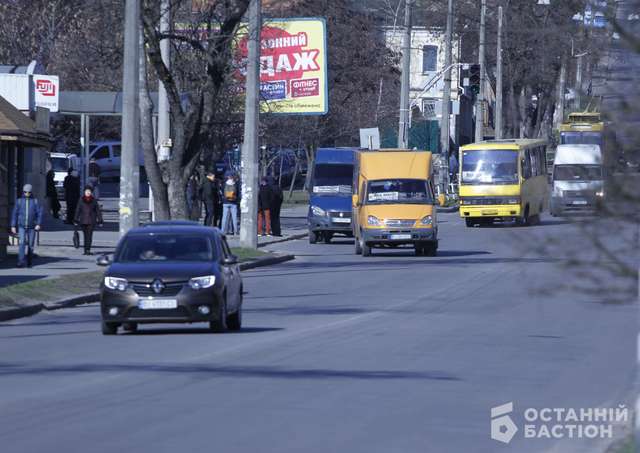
point(154, 173)
point(178, 198)
point(310, 152)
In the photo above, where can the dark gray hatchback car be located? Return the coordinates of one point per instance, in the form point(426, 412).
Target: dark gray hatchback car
point(171, 273)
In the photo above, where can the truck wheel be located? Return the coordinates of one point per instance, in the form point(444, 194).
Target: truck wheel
point(366, 249)
point(431, 249)
point(313, 237)
point(327, 237)
point(469, 221)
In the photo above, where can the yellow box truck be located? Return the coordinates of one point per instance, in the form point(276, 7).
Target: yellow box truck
point(394, 201)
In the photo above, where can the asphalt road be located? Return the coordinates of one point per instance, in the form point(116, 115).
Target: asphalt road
point(392, 353)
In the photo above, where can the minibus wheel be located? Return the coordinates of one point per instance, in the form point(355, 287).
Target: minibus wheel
point(366, 249)
point(327, 237)
point(469, 221)
point(430, 249)
point(358, 247)
point(313, 237)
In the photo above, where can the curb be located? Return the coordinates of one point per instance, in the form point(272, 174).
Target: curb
point(288, 238)
point(20, 312)
point(30, 310)
point(267, 261)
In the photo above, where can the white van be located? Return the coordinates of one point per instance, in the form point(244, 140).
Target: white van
point(578, 178)
point(60, 164)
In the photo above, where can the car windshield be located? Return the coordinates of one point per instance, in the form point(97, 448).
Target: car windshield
point(577, 173)
point(60, 164)
point(581, 138)
point(490, 167)
point(399, 191)
point(153, 247)
point(332, 179)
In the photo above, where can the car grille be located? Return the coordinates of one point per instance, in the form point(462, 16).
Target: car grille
point(340, 214)
point(577, 194)
point(399, 223)
point(145, 289)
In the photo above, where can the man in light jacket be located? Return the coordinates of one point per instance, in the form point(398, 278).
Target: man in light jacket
point(26, 219)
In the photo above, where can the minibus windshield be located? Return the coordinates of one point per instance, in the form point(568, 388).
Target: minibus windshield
point(399, 191)
point(577, 173)
point(332, 179)
point(490, 167)
point(581, 138)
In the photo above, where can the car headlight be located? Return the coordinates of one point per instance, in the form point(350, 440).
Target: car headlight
point(600, 193)
point(318, 211)
point(202, 282)
point(512, 200)
point(373, 221)
point(427, 220)
point(115, 283)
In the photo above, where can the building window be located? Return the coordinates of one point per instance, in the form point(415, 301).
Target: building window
point(429, 58)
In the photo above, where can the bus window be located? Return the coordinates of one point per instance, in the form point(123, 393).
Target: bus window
point(581, 138)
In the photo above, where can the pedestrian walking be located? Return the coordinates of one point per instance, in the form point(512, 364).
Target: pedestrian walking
point(194, 198)
point(94, 177)
point(71, 187)
point(26, 219)
point(88, 215)
point(217, 208)
point(52, 195)
point(230, 205)
point(211, 199)
point(276, 206)
point(265, 201)
point(453, 166)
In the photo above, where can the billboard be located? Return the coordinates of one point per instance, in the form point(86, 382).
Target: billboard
point(293, 66)
point(47, 91)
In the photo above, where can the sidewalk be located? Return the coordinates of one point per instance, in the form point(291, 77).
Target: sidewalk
point(56, 255)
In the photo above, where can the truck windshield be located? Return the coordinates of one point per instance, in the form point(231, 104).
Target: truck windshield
point(577, 173)
point(60, 164)
point(581, 138)
point(490, 167)
point(399, 191)
point(332, 179)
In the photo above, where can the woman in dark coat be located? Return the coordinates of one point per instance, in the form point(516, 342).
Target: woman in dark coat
point(88, 215)
point(71, 194)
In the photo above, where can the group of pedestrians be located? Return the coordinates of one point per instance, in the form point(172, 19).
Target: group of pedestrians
point(221, 197)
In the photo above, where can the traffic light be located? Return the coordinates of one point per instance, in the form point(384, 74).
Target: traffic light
point(470, 77)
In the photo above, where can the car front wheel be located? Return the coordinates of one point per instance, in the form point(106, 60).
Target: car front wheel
point(109, 328)
point(220, 324)
point(234, 320)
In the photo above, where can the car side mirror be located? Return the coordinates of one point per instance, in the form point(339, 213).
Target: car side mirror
point(230, 260)
point(103, 260)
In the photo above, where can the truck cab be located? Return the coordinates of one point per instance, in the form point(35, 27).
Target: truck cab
point(394, 202)
point(330, 194)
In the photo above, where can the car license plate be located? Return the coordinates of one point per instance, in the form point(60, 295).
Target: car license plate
point(399, 236)
point(155, 304)
point(341, 220)
point(582, 202)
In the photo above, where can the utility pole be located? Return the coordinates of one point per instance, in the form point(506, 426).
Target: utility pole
point(498, 119)
point(129, 166)
point(250, 155)
point(164, 122)
point(480, 99)
point(446, 98)
point(561, 89)
point(578, 87)
point(403, 127)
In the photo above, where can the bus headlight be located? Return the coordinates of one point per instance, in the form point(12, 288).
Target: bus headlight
point(427, 220)
point(373, 221)
point(317, 211)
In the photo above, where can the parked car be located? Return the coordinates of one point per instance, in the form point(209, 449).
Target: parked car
point(107, 155)
point(171, 272)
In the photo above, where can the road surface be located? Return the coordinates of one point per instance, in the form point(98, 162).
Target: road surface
point(340, 353)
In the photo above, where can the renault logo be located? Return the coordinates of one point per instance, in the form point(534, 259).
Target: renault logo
point(157, 286)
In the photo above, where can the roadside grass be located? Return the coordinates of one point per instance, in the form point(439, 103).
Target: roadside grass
point(50, 290)
point(71, 285)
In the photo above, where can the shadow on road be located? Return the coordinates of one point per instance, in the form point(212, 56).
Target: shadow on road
point(212, 371)
point(199, 330)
